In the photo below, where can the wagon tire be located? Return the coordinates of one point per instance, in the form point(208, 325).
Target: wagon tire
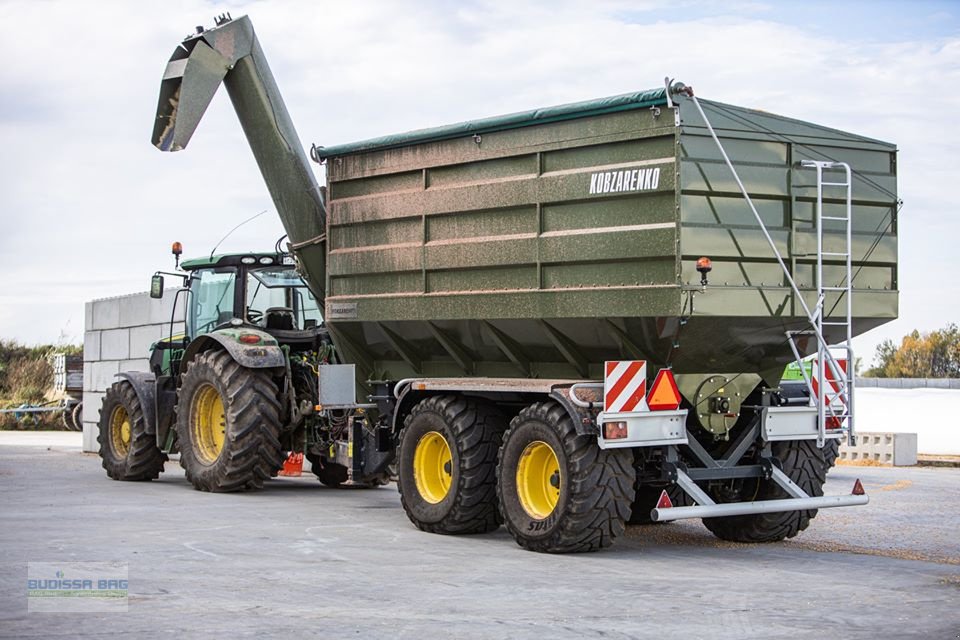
point(558, 491)
point(803, 462)
point(447, 457)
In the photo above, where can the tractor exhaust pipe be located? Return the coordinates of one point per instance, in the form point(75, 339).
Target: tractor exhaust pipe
point(230, 53)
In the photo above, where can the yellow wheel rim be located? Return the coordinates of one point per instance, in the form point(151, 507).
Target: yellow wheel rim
point(538, 480)
point(433, 467)
point(120, 430)
point(208, 422)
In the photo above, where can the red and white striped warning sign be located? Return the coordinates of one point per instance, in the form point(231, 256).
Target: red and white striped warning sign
point(832, 394)
point(625, 386)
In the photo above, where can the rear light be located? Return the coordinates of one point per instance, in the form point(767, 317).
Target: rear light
point(249, 338)
point(614, 430)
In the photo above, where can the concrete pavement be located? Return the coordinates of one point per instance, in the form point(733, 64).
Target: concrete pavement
point(298, 557)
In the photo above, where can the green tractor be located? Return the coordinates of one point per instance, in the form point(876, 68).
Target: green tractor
point(240, 389)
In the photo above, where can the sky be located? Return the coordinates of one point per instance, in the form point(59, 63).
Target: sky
point(89, 207)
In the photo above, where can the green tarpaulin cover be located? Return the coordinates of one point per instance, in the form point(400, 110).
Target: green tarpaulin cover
point(623, 102)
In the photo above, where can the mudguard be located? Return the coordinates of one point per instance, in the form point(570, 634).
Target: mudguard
point(145, 386)
point(265, 354)
point(412, 390)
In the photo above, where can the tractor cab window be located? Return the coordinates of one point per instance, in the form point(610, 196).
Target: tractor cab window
point(213, 291)
point(277, 298)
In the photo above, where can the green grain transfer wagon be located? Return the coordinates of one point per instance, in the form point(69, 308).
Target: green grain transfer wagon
point(575, 317)
point(571, 234)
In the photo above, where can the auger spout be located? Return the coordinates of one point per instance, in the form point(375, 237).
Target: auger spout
point(231, 54)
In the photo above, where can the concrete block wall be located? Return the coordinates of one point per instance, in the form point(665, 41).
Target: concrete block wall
point(897, 449)
point(909, 383)
point(117, 337)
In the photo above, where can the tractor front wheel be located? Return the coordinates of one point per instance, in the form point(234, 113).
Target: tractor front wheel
point(128, 452)
point(228, 424)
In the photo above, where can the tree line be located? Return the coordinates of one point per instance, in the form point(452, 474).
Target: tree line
point(935, 354)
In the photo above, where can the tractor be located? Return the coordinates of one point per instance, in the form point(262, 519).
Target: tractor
point(239, 389)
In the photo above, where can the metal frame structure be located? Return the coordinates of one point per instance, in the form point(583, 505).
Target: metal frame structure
point(826, 401)
point(727, 467)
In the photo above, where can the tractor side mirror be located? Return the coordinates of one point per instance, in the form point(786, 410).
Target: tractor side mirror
point(156, 286)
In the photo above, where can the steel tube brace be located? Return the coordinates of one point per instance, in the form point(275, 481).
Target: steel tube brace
point(747, 508)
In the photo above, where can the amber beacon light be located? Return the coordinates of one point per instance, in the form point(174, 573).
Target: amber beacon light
point(704, 266)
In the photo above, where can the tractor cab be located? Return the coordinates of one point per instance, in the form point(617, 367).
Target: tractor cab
point(261, 291)
point(257, 299)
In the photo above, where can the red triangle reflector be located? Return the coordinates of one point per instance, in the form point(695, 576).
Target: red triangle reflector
point(858, 488)
point(664, 394)
point(664, 501)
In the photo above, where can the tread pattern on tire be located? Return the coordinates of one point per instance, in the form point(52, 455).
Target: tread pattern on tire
point(831, 450)
point(144, 460)
point(477, 429)
point(77, 416)
point(803, 462)
point(599, 482)
point(252, 451)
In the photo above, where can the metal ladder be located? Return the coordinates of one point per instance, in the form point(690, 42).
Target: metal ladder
point(834, 382)
point(834, 404)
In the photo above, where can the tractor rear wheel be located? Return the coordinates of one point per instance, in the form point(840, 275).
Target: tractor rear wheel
point(558, 491)
point(447, 465)
point(803, 462)
point(228, 424)
point(127, 451)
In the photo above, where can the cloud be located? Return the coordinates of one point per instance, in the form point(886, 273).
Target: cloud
point(84, 195)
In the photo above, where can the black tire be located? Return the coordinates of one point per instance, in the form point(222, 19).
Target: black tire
point(803, 462)
point(595, 485)
point(472, 430)
point(133, 455)
point(329, 474)
point(77, 415)
point(66, 418)
point(830, 452)
point(646, 499)
point(250, 452)
point(333, 475)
